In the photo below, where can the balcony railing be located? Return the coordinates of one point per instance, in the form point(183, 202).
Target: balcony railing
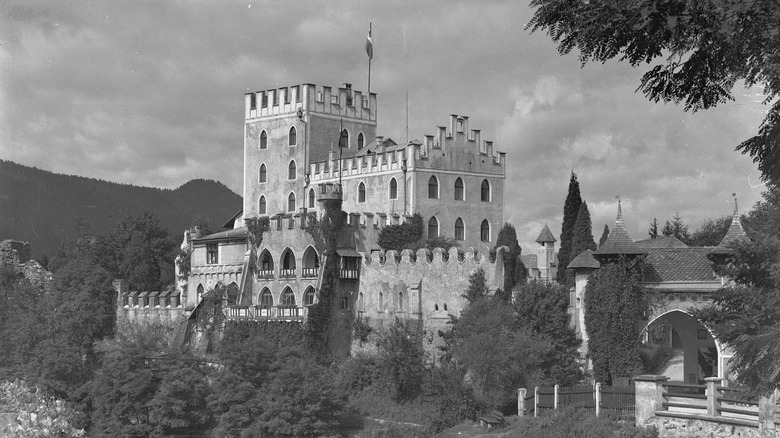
point(265, 313)
point(309, 273)
point(350, 274)
point(268, 275)
point(287, 273)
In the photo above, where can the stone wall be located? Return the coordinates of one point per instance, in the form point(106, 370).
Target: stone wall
point(690, 428)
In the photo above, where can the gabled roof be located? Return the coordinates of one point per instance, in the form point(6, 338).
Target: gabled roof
point(584, 259)
point(546, 235)
point(619, 242)
point(661, 242)
point(231, 223)
point(234, 234)
point(735, 232)
point(678, 264)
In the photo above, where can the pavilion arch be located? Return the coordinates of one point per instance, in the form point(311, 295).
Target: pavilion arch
point(309, 296)
point(311, 259)
point(266, 298)
point(287, 297)
point(696, 343)
point(232, 294)
point(288, 259)
point(266, 261)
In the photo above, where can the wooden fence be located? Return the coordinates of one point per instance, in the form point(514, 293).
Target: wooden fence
point(598, 399)
point(716, 402)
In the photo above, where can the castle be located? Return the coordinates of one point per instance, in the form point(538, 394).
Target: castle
point(304, 144)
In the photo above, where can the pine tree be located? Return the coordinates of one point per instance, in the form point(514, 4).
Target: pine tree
point(604, 235)
point(653, 231)
point(514, 270)
point(570, 210)
point(680, 230)
point(668, 229)
point(583, 232)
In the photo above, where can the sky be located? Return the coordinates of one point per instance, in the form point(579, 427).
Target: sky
point(151, 94)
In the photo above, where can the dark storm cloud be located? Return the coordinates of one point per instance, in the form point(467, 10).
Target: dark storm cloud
point(151, 93)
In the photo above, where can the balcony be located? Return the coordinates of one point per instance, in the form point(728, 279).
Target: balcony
point(309, 273)
point(349, 274)
point(268, 275)
point(287, 273)
point(258, 313)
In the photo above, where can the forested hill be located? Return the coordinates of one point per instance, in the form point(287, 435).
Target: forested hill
point(43, 207)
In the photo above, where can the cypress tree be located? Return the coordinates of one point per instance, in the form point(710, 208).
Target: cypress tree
point(653, 231)
point(514, 270)
point(604, 235)
point(583, 232)
point(570, 210)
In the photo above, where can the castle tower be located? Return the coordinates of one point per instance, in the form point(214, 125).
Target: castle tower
point(545, 255)
point(618, 243)
point(286, 129)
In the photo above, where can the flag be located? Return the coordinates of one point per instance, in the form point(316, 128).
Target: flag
point(369, 44)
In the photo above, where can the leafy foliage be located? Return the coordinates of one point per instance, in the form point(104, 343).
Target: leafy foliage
point(543, 310)
point(614, 301)
point(711, 232)
point(402, 236)
point(570, 212)
point(477, 286)
point(708, 46)
point(401, 358)
point(38, 415)
point(514, 269)
point(20, 322)
point(604, 235)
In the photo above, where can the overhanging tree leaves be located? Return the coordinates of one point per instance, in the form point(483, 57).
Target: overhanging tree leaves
point(709, 47)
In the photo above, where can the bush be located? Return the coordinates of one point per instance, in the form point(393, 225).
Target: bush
point(573, 422)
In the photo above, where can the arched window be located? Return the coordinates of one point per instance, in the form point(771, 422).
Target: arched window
point(433, 227)
point(288, 297)
point(361, 192)
point(361, 305)
point(484, 231)
point(344, 139)
point(308, 296)
point(311, 198)
point(311, 263)
point(266, 298)
point(200, 292)
point(381, 302)
point(291, 170)
point(266, 262)
point(485, 191)
point(291, 202)
point(400, 301)
point(445, 306)
point(435, 307)
point(293, 135)
point(261, 207)
point(288, 259)
point(459, 231)
point(433, 188)
point(263, 140)
point(360, 141)
point(261, 174)
point(393, 189)
point(458, 189)
point(232, 294)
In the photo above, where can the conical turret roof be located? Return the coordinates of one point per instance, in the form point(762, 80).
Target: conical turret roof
point(546, 235)
point(619, 242)
point(735, 232)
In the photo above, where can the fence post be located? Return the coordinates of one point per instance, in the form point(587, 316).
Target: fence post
point(598, 398)
point(536, 401)
point(649, 396)
point(711, 390)
point(767, 406)
point(521, 402)
point(555, 397)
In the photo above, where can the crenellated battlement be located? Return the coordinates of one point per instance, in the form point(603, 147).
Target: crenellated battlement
point(342, 102)
point(484, 258)
point(381, 161)
point(458, 136)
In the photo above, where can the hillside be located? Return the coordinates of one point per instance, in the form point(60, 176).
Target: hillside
point(43, 207)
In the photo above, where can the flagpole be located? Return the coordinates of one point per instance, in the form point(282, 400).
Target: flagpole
point(371, 55)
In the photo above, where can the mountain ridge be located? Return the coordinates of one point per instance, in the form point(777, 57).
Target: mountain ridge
point(43, 207)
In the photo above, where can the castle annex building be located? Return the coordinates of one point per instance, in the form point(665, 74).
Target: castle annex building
point(304, 144)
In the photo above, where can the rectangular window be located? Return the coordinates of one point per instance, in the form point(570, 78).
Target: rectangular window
point(212, 253)
point(344, 303)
